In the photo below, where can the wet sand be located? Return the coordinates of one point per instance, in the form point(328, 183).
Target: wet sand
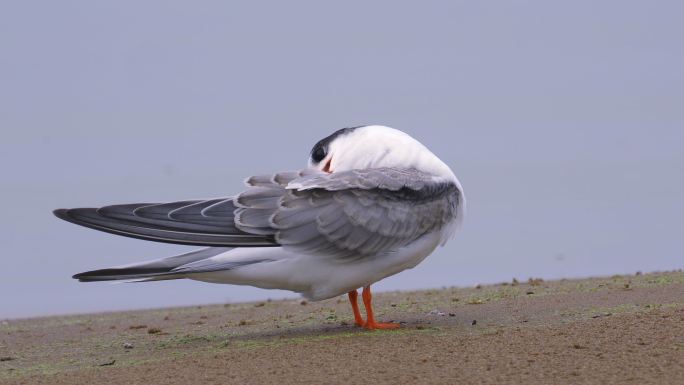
point(615, 330)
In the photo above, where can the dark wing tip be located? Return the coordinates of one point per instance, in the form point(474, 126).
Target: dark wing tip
point(61, 213)
point(86, 276)
point(115, 274)
point(78, 276)
point(75, 216)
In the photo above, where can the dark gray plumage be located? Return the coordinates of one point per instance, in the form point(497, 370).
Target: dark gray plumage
point(347, 214)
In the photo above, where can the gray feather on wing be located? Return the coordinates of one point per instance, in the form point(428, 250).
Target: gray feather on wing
point(198, 222)
point(347, 215)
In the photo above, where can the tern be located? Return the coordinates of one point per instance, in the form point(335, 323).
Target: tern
point(372, 202)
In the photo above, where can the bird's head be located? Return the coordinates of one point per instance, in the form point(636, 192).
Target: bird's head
point(374, 147)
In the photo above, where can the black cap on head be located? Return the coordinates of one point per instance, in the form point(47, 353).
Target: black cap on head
point(320, 149)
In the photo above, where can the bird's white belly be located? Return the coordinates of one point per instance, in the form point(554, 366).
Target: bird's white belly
point(317, 277)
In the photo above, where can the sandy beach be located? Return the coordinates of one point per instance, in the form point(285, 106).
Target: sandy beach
point(613, 330)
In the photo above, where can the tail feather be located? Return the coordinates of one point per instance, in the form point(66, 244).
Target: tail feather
point(160, 269)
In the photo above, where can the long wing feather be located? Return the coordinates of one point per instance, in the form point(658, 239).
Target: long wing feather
point(202, 223)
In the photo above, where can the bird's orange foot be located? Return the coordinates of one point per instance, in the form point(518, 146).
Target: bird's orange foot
point(381, 325)
point(370, 317)
point(358, 320)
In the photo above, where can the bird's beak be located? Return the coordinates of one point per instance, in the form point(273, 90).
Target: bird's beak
point(327, 166)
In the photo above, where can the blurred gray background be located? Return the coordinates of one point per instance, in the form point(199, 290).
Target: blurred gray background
point(563, 120)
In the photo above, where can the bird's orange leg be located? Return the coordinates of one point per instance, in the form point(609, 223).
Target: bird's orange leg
point(353, 295)
point(370, 321)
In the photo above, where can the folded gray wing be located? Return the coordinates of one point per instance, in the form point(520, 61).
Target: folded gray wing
point(197, 222)
point(193, 222)
point(344, 215)
point(347, 215)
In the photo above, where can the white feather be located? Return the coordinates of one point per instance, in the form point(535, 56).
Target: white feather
point(315, 278)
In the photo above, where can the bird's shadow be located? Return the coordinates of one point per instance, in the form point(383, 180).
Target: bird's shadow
point(327, 331)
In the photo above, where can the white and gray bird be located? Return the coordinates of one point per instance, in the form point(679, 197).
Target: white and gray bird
point(373, 202)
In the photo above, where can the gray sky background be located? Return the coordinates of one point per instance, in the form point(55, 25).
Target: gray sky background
point(563, 120)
